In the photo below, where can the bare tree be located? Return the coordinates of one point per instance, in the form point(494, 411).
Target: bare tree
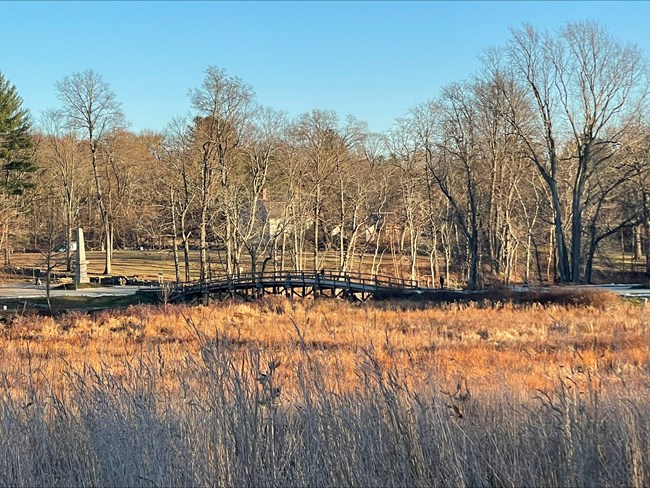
point(260, 152)
point(131, 194)
point(63, 149)
point(221, 109)
point(456, 168)
point(528, 88)
point(637, 149)
point(502, 171)
point(580, 84)
point(377, 193)
point(290, 188)
point(182, 177)
point(90, 107)
point(52, 237)
point(409, 191)
point(316, 138)
point(351, 184)
point(602, 84)
point(424, 126)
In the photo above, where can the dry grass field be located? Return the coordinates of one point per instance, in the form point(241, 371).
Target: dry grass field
point(328, 393)
point(146, 264)
point(612, 265)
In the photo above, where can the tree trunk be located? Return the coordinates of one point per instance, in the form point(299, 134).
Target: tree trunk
point(316, 222)
point(472, 278)
point(593, 244)
point(341, 224)
point(103, 211)
point(108, 236)
point(638, 242)
point(646, 230)
point(576, 219)
point(186, 257)
point(48, 276)
point(68, 237)
point(576, 235)
point(560, 241)
point(231, 265)
point(375, 265)
point(283, 251)
point(203, 246)
point(175, 239)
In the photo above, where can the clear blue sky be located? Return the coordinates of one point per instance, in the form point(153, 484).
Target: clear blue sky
point(373, 60)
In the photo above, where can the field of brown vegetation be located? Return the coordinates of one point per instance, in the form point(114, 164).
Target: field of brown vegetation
point(325, 392)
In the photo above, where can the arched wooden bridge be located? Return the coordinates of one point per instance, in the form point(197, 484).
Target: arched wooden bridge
point(351, 285)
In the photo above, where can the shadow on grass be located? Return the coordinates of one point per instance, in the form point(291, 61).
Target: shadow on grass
point(61, 305)
point(560, 296)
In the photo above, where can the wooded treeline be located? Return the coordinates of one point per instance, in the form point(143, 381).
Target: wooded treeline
point(519, 173)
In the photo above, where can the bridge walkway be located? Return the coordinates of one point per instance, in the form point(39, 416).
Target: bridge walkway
point(350, 284)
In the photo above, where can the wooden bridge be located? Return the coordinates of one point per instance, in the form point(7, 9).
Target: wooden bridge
point(352, 285)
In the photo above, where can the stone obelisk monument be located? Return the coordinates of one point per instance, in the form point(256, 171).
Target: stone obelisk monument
point(81, 269)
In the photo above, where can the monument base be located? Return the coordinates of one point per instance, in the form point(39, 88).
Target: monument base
point(81, 273)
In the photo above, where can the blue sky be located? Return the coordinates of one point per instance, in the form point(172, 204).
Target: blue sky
point(373, 60)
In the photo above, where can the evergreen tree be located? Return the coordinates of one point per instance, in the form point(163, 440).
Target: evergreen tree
point(16, 144)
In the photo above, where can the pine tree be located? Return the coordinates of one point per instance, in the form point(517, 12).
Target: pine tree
point(16, 144)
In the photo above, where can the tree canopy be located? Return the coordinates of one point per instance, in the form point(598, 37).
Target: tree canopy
point(16, 142)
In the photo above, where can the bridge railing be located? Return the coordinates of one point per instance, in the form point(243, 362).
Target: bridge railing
point(298, 278)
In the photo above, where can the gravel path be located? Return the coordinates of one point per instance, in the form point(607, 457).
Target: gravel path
point(38, 291)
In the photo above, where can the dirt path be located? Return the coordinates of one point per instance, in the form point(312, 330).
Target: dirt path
point(38, 291)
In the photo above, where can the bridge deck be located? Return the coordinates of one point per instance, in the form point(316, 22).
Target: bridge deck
point(302, 283)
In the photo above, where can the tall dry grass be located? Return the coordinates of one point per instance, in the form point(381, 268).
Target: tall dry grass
point(327, 393)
